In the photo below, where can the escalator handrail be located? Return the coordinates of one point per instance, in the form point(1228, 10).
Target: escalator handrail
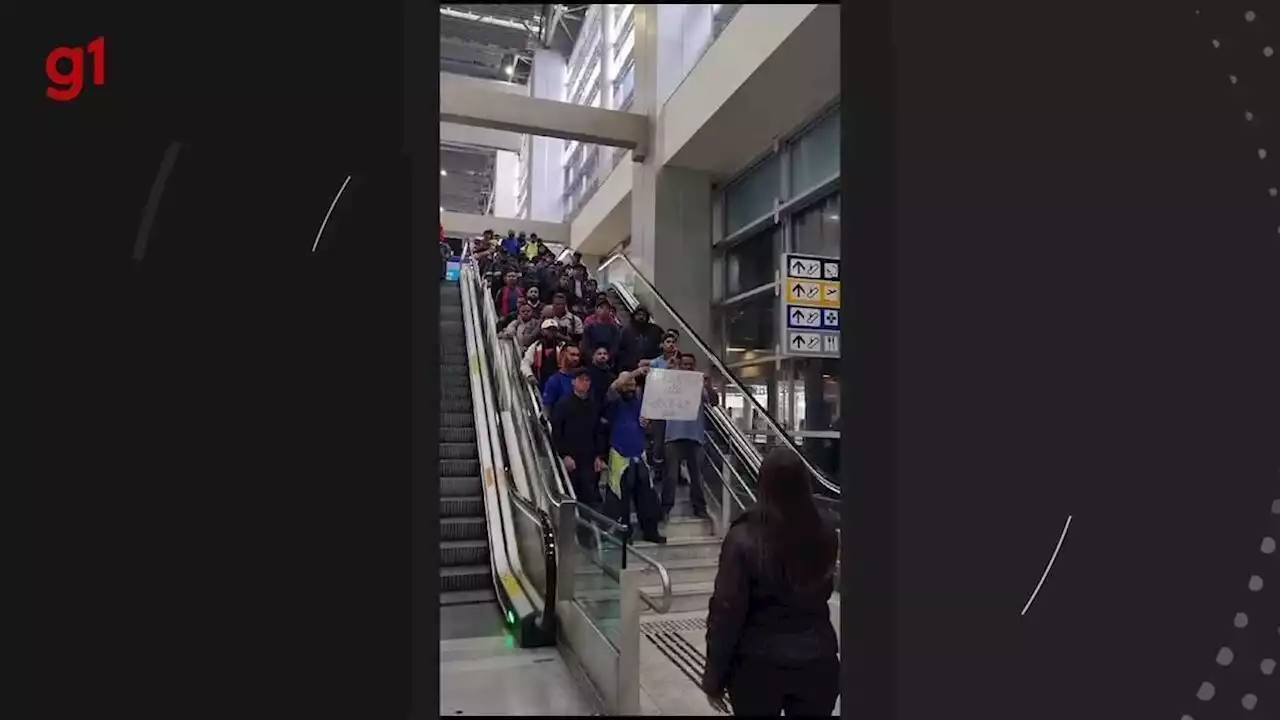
point(729, 376)
point(549, 561)
point(555, 495)
point(546, 619)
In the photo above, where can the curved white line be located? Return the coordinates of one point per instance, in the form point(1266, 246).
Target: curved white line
point(153, 200)
point(1048, 567)
point(332, 205)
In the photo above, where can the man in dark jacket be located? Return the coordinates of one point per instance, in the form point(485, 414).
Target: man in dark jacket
point(600, 330)
point(510, 295)
point(602, 375)
point(580, 438)
point(641, 339)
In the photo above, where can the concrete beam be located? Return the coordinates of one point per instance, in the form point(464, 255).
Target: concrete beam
point(467, 225)
point(479, 137)
point(605, 221)
point(751, 71)
point(466, 104)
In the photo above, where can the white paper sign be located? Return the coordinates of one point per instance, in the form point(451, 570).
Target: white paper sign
point(672, 395)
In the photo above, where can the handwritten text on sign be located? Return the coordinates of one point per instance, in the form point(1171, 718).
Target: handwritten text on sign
point(672, 395)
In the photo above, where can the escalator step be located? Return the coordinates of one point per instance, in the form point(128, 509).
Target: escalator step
point(455, 404)
point(463, 552)
point(461, 486)
point(455, 389)
point(463, 528)
point(458, 450)
point(462, 506)
point(451, 312)
point(465, 577)
point(457, 420)
point(457, 435)
point(459, 468)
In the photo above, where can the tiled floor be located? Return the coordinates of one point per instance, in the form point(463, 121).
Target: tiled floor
point(482, 672)
point(672, 657)
point(489, 676)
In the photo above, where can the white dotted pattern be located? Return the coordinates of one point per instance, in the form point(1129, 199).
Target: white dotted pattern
point(1225, 43)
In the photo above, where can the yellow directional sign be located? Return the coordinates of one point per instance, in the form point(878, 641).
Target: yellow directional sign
point(830, 296)
point(804, 292)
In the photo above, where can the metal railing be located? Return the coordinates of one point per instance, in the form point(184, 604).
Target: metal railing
point(534, 615)
point(749, 452)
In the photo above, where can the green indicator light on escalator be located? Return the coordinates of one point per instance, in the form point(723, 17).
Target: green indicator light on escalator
point(511, 618)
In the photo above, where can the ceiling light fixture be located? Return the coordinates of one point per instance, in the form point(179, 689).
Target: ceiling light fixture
point(444, 173)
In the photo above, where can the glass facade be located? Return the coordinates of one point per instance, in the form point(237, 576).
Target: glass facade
point(789, 201)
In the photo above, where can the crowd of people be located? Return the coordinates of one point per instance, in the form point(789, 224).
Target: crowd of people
point(590, 370)
point(771, 645)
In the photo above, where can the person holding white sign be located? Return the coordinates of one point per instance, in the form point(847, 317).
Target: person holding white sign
point(684, 440)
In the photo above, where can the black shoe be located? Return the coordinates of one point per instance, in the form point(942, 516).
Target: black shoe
point(655, 538)
point(701, 514)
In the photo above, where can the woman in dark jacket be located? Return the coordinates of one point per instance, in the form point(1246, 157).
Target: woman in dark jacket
point(770, 642)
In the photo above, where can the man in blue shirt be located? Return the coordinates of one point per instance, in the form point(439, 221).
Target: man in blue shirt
point(561, 384)
point(629, 483)
point(683, 440)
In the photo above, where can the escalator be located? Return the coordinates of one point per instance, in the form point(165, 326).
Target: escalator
point(496, 548)
point(465, 575)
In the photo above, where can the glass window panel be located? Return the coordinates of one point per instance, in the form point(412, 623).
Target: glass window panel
point(756, 379)
point(754, 195)
point(751, 262)
point(816, 229)
point(815, 156)
point(751, 326)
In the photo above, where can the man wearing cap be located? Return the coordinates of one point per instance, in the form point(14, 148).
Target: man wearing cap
point(542, 359)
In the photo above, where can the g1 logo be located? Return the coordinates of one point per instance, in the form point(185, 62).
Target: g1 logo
point(66, 84)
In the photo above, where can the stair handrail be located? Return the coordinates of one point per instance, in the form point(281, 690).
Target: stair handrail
point(492, 443)
point(686, 331)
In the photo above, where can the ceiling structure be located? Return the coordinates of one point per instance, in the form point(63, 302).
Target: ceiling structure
point(493, 42)
point(466, 179)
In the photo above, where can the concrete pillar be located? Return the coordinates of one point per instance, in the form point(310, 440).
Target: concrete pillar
point(505, 173)
point(546, 154)
point(670, 206)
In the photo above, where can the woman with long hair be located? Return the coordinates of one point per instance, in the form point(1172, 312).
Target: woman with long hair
point(770, 642)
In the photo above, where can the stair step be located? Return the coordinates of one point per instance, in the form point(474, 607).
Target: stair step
point(465, 577)
point(458, 450)
point(688, 527)
point(678, 548)
point(459, 468)
point(463, 552)
point(455, 404)
point(457, 434)
point(471, 506)
point(461, 486)
point(686, 598)
point(455, 419)
point(681, 572)
point(463, 528)
point(468, 597)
